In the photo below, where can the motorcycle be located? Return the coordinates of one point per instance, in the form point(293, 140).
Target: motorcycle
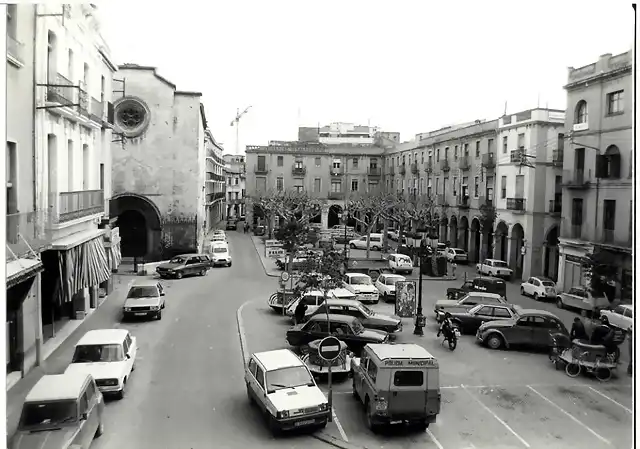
point(451, 336)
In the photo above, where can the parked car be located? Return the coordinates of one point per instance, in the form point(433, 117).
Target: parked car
point(399, 263)
point(466, 303)
point(486, 284)
point(362, 286)
point(368, 318)
point(145, 298)
point(539, 287)
point(219, 237)
point(582, 299)
point(185, 265)
point(301, 261)
point(456, 255)
point(61, 411)
point(284, 390)
point(313, 298)
point(346, 328)
point(232, 225)
point(496, 268)
point(220, 255)
point(529, 328)
point(361, 243)
point(621, 316)
point(259, 230)
point(386, 285)
point(469, 321)
point(109, 355)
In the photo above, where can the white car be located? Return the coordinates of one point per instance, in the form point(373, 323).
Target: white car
point(621, 316)
point(494, 267)
point(361, 243)
point(361, 285)
point(400, 263)
point(220, 254)
point(539, 288)
point(144, 299)
point(283, 388)
point(109, 355)
point(219, 238)
point(386, 285)
point(314, 298)
point(456, 255)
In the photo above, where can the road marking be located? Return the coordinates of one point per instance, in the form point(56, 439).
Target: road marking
point(611, 399)
point(497, 417)
point(576, 420)
point(434, 439)
point(338, 425)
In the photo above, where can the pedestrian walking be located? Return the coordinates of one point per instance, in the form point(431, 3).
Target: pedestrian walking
point(453, 269)
point(578, 331)
point(301, 310)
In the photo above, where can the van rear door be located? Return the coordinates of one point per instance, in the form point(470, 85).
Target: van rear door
point(433, 390)
point(408, 387)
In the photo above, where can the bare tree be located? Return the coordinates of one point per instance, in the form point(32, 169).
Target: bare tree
point(289, 206)
point(368, 208)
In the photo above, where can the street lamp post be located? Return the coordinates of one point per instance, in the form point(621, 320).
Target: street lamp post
point(420, 319)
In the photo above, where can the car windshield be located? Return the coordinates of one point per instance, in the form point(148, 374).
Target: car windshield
point(178, 260)
point(392, 281)
point(219, 250)
point(97, 353)
point(294, 376)
point(366, 310)
point(143, 292)
point(357, 327)
point(548, 284)
point(458, 251)
point(360, 280)
point(48, 414)
point(476, 308)
point(404, 259)
point(499, 263)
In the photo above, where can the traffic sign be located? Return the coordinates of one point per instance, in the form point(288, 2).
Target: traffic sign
point(329, 348)
point(284, 277)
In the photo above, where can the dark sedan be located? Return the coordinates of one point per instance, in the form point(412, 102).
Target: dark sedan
point(469, 322)
point(346, 328)
point(354, 308)
point(184, 265)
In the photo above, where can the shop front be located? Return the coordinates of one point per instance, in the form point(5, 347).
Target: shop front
point(570, 267)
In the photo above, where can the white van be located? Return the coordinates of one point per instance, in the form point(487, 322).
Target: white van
point(361, 243)
point(220, 255)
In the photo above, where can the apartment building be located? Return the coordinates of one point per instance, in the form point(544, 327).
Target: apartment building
point(159, 166)
point(214, 181)
point(597, 195)
point(235, 174)
point(529, 191)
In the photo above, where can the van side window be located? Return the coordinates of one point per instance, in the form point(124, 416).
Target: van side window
point(84, 403)
point(408, 378)
point(260, 376)
point(91, 390)
point(252, 367)
point(372, 371)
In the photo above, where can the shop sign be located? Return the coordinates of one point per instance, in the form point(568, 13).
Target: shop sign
point(275, 252)
point(272, 243)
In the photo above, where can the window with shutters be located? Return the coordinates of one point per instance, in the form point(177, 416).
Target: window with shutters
point(609, 215)
point(477, 148)
point(354, 162)
point(279, 184)
point(615, 102)
point(466, 149)
point(455, 186)
point(318, 162)
point(280, 162)
point(317, 185)
point(261, 184)
point(336, 186)
point(476, 187)
point(521, 141)
point(455, 152)
point(354, 185)
point(576, 212)
point(505, 143)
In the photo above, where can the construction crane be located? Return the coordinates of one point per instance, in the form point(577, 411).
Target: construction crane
point(236, 121)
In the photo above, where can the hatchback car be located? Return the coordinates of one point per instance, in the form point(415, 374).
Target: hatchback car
point(60, 411)
point(351, 307)
point(232, 225)
point(386, 285)
point(469, 321)
point(539, 287)
point(496, 268)
point(456, 255)
point(469, 301)
point(109, 355)
point(400, 263)
point(185, 265)
point(144, 299)
point(621, 316)
point(220, 254)
point(375, 242)
point(530, 328)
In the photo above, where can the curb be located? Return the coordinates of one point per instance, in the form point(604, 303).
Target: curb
point(241, 334)
point(264, 267)
point(335, 442)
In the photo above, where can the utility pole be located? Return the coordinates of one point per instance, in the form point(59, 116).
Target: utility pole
point(236, 121)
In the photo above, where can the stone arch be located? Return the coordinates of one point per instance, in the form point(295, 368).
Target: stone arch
point(474, 240)
point(463, 238)
point(613, 162)
point(453, 231)
point(516, 258)
point(140, 224)
point(551, 253)
point(501, 239)
point(333, 218)
point(581, 114)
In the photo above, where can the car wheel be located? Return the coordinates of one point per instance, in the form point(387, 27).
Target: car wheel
point(375, 248)
point(559, 304)
point(495, 341)
point(203, 272)
point(159, 315)
point(179, 275)
point(535, 297)
point(274, 427)
point(352, 246)
point(99, 430)
point(354, 392)
point(522, 292)
point(371, 423)
point(121, 393)
point(229, 264)
point(251, 400)
point(163, 305)
point(605, 320)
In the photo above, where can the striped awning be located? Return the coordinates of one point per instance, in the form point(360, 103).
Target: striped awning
point(84, 266)
point(116, 255)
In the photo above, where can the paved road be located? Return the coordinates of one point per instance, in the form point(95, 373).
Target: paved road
point(499, 399)
point(188, 390)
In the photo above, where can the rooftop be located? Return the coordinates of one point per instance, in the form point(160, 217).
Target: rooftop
point(103, 337)
point(57, 387)
point(400, 351)
point(280, 358)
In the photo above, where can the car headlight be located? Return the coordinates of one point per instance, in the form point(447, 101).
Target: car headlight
point(324, 407)
point(127, 309)
point(110, 382)
point(170, 270)
point(283, 414)
point(155, 307)
point(381, 404)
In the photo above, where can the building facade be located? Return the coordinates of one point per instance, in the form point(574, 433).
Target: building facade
point(214, 182)
point(528, 199)
point(597, 199)
point(235, 173)
point(158, 166)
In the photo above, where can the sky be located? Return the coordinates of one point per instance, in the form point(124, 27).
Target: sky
point(404, 66)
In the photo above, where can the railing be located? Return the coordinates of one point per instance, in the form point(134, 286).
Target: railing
point(392, 170)
point(428, 168)
point(15, 48)
point(336, 195)
point(488, 160)
point(62, 91)
point(462, 202)
point(298, 170)
point(441, 200)
point(374, 171)
point(336, 171)
point(74, 205)
point(555, 207)
point(576, 179)
point(219, 195)
point(444, 165)
point(25, 232)
point(261, 169)
point(402, 169)
point(463, 163)
point(558, 157)
point(516, 156)
point(414, 168)
point(484, 201)
point(235, 201)
point(516, 204)
point(96, 110)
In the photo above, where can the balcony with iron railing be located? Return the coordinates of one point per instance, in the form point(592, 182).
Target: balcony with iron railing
point(260, 169)
point(96, 110)
point(391, 170)
point(374, 171)
point(62, 91)
point(402, 169)
point(517, 205)
point(68, 206)
point(26, 232)
point(488, 161)
point(15, 50)
point(336, 195)
point(558, 158)
point(336, 171)
point(444, 165)
point(463, 163)
point(298, 170)
point(575, 231)
point(428, 167)
point(441, 200)
point(576, 179)
point(555, 207)
point(414, 168)
point(610, 237)
point(462, 201)
point(483, 201)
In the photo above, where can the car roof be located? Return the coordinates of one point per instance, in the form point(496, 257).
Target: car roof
point(400, 351)
point(57, 387)
point(144, 283)
point(333, 317)
point(458, 249)
point(357, 274)
point(627, 306)
point(487, 278)
point(495, 260)
point(527, 312)
point(279, 358)
point(485, 294)
point(391, 275)
point(103, 337)
point(342, 302)
point(398, 254)
point(188, 255)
